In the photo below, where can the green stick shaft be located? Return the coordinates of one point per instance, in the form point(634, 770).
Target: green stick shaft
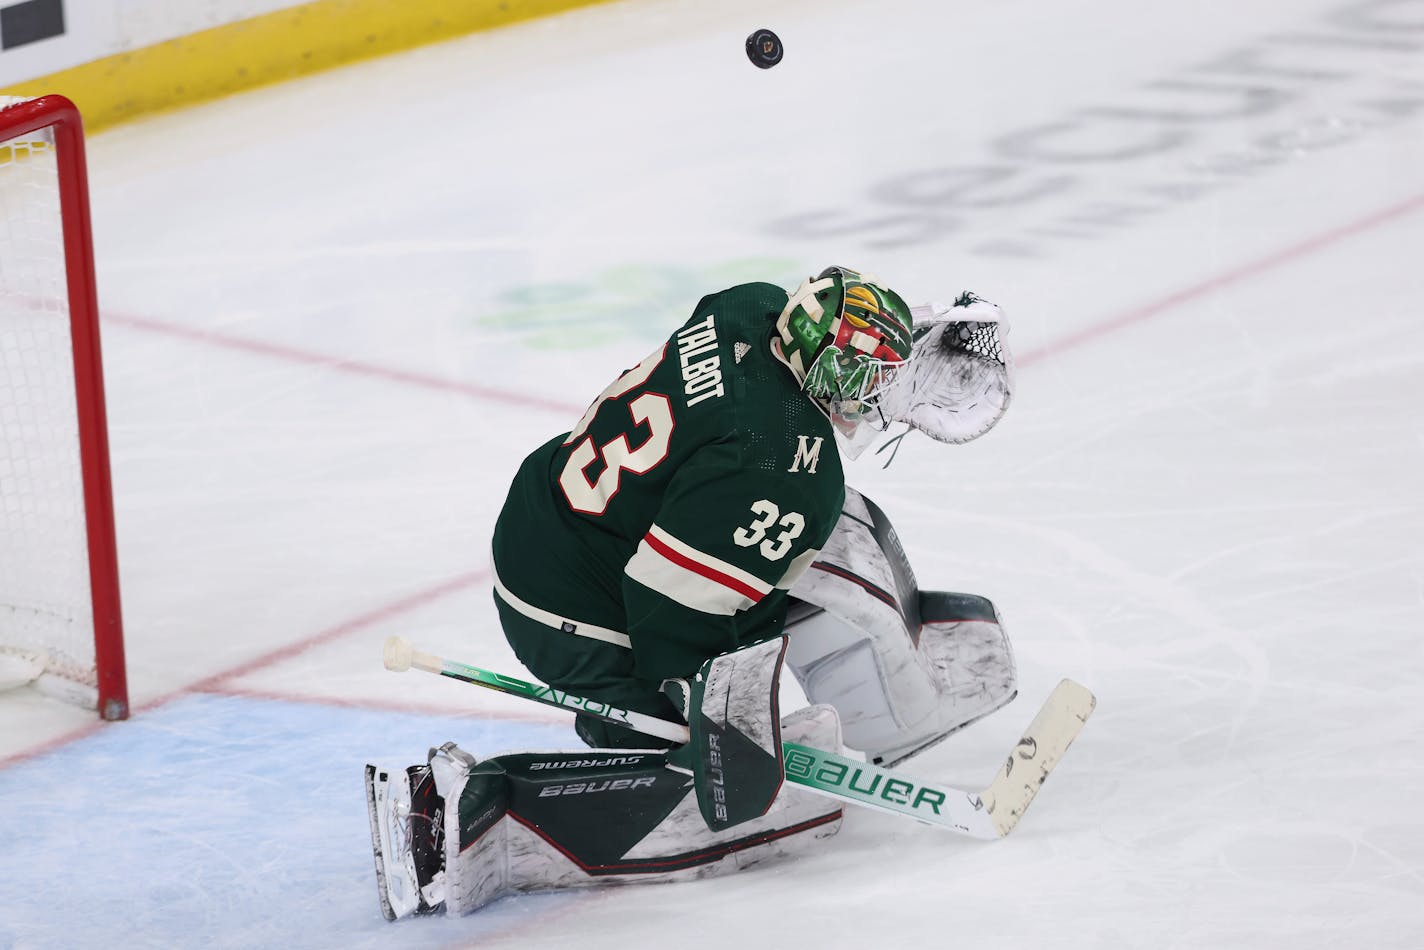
point(648, 725)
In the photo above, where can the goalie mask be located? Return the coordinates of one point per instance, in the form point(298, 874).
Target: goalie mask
point(844, 335)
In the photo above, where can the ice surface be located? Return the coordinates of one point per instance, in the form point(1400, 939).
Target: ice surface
point(216, 821)
point(338, 312)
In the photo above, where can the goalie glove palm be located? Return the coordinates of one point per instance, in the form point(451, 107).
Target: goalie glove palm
point(959, 381)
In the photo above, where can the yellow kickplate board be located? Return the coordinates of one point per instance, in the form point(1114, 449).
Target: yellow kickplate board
point(270, 48)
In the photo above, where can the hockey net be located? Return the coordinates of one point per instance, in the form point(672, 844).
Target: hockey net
point(59, 602)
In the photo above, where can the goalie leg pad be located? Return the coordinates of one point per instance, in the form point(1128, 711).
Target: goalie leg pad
point(967, 655)
point(878, 686)
point(904, 668)
point(542, 820)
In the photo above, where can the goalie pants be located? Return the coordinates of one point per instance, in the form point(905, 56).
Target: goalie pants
point(589, 668)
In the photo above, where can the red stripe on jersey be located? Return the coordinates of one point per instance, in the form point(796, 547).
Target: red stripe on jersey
point(697, 567)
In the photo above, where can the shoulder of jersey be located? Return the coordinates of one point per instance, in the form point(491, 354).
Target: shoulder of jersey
point(760, 299)
point(726, 329)
point(734, 325)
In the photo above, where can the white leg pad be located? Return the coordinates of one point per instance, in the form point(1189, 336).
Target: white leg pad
point(877, 685)
point(903, 668)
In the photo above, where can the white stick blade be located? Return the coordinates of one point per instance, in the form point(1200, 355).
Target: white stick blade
point(398, 654)
point(1043, 744)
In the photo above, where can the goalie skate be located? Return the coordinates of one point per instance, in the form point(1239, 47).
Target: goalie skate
point(406, 839)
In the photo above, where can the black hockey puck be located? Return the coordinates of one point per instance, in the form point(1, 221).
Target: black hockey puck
point(764, 49)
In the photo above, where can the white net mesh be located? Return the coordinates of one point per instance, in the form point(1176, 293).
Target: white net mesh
point(45, 607)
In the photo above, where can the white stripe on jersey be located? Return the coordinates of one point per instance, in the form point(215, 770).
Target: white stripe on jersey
point(563, 624)
point(693, 578)
point(798, 566)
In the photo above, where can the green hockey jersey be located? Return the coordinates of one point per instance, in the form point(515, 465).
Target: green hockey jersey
point(679, 510)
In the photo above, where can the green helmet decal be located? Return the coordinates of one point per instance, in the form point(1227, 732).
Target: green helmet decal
point(841, 333)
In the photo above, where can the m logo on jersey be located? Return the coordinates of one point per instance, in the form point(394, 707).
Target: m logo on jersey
point(808, 453)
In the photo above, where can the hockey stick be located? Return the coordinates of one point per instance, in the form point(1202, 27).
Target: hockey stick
point(990, 813)
point(401, 656)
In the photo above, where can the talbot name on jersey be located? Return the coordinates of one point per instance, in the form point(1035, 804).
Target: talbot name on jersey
point(701, 365)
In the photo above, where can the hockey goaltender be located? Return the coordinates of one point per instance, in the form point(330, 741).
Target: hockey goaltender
point(689, 537)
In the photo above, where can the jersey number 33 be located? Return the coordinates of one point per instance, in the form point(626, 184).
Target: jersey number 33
point(651, 409)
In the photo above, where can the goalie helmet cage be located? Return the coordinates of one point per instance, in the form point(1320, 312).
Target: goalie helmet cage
point(59, 586)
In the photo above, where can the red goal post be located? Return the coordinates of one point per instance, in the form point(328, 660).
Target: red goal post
point(54, 522)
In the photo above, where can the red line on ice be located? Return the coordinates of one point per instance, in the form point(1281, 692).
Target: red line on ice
point(292, 354)
point(408, 708)
point(1234, 276)
point(74, 735)
point(361, 622)
point(219, 682)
